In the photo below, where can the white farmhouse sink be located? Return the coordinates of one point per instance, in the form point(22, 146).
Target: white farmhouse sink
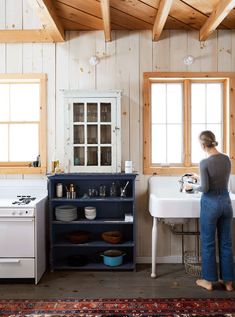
point(177, 205)
point(166, 201)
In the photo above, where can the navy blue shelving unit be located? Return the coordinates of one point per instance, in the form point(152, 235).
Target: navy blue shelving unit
point(110, 217)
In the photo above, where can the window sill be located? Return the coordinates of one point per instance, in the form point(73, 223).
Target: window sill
point(22, 170)
point(169, 171)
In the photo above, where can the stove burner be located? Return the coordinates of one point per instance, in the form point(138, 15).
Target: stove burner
point(23, 200)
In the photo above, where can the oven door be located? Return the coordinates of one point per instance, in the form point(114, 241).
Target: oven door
point(16, 237)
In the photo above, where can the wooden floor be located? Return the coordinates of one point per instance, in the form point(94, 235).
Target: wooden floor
point(172, 282)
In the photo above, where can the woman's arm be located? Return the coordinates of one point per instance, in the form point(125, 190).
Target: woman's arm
point(204, 178)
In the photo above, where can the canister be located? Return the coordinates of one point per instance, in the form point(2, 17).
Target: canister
point(59, 190)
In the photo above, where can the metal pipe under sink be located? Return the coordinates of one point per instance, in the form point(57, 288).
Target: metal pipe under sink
point(183, 233)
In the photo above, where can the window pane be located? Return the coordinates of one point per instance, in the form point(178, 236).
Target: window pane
point(92, 155)
point(78, 112)
point(4, 102)
point(78, 134)
point(105, 112)
point(159, 144)
point(4, 142)
point(105, 134)
point(158, 103)
point(198, 103)
point(106, 155)
point(210, 112)
point(24, 142)
point(217, 130)
point(174, 143)
point(92, 134)
point(174, 103)
point(214, 102)
point(197, 154)
point(92, 112)
point(79, 156)
point(24, 102)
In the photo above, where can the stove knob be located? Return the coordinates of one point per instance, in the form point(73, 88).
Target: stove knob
point(20, 213)
point(13, 213)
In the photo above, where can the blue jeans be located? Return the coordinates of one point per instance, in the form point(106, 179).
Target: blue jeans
point(216, 214)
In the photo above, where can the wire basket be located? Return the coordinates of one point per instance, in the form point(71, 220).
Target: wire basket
point(192, 264)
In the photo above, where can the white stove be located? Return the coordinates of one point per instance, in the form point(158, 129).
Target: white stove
point(22, 228)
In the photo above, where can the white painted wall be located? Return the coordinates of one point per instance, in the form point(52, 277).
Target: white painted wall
point(123, 62)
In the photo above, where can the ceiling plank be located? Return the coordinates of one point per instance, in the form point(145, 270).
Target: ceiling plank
point(49, 19)
point(89, 17)
point(24, 36)
point(162, 14)
point(217, 16)
point(105, 9)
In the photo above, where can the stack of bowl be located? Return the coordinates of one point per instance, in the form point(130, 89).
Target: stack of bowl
point(66, 213)
point(90, 212)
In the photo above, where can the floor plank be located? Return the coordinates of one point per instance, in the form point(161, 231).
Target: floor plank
point(172, 282)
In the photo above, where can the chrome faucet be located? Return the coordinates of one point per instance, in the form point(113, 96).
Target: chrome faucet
point(182, 181)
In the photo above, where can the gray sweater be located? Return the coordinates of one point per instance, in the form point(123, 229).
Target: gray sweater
point(214, 173)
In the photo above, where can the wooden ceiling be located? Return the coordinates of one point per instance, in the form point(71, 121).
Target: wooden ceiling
point(58, 16)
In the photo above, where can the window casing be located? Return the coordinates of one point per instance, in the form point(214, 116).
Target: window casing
point(22, 123)
point(173, 118)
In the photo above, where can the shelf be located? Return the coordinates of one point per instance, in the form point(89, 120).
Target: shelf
point(95, 221)
point(97, 243)
point(95, 200)
point(110, 216)
point(96, 266)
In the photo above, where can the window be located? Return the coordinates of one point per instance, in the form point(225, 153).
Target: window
point(177, 108)
point(22, 123)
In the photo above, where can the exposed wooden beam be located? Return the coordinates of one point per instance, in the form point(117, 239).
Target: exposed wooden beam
point(105, 9)
point(24, 36)
point(49, 19)
point(217, 16)
point(160, 20)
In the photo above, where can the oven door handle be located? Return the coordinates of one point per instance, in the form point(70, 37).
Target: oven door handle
point(14, 219)
point(9, 261)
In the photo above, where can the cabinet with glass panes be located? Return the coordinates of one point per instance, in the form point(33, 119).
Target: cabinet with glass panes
point(92, 131)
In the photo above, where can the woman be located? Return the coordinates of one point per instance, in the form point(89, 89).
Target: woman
point(216, 214)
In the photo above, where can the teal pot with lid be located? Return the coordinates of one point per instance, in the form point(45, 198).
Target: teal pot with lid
point(113, 257)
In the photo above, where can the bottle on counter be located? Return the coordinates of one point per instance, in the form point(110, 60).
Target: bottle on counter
point(113, 190)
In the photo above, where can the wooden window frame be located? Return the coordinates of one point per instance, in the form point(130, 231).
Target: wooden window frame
point(25, 167)
point(228, 118)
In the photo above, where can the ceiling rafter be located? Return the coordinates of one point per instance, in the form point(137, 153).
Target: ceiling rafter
point(160, 20)
point(105, 9)
point(217, 16)
point(49, 19)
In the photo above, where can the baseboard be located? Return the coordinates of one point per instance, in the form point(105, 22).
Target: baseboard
point(164, 259)
point(160, 259)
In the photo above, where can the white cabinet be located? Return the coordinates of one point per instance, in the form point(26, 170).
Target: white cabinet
point(92, 131)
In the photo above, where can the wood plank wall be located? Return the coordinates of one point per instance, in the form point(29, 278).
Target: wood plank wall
point(123, 62)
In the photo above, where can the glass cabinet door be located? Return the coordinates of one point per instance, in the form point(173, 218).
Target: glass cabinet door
point(94, 134)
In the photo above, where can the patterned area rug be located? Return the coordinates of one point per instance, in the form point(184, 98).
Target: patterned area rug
point(118, 307)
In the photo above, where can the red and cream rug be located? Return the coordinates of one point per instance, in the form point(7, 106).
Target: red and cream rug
point(118, 307)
